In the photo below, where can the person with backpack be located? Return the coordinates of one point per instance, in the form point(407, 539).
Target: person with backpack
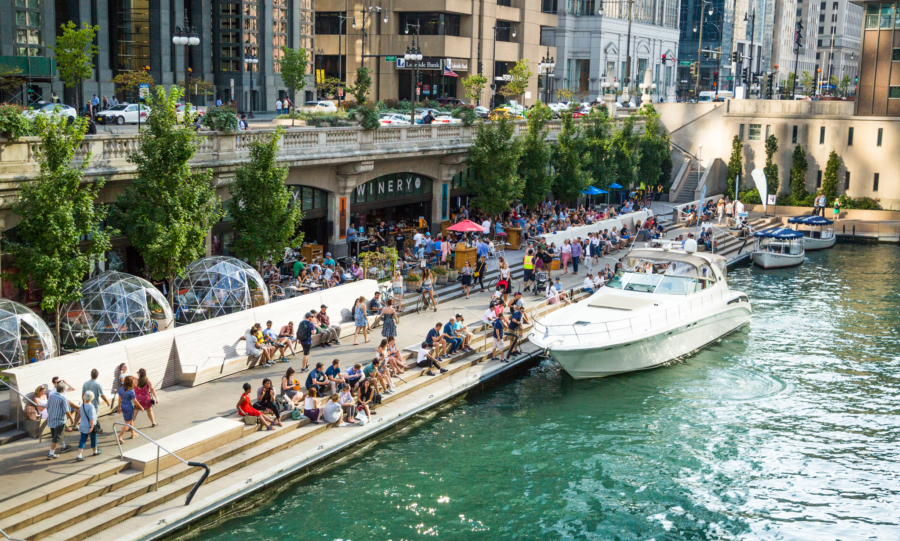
point(305, 332)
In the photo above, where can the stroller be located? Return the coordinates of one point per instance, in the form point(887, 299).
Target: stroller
point(540, 282)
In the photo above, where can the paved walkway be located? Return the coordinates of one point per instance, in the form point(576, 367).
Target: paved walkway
point(24, 465)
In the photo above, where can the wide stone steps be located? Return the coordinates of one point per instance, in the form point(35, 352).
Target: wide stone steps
point(686, 193)
point(109, 493)
point(9, 432)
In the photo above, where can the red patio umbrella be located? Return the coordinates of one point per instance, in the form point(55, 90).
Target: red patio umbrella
point(466, 226)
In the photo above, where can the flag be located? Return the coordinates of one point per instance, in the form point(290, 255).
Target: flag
point(447, 71)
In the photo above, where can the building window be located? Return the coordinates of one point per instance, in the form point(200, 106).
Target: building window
point(229, 9)
point(741, 132)
point(818, 55)
point(755, 132)
point(328, 23)
point(29, 38)
point(822, 5)
point(228, 65)
point(871, 16)
point(880, 135)
point(229, 23)
point(794, 136)
point(846, 180)
point(822, 135)
point(799, 13)
point(279, 32)
point(894, 92)
point(444, 24)
point(850, 137)
point(834, 5)
point(504, 30)
point(768, 130)
point(818, 179)
point(875, 183)
point(821, 17)
point(887, 15)
point(896, 55)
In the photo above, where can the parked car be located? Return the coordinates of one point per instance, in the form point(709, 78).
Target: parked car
point(179, 111)
point(508, 112)
point(446, 119)
point(393, 119)
point(320, 106)
point(452, 102)
point(52, 109)
point(482, 112)
point(122, 114)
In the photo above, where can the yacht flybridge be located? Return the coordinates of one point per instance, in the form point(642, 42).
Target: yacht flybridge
point(661, 305)
point(818, 231)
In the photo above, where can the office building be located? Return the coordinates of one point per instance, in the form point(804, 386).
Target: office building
point(786, 54)
point(592, 43)
point(456, 39)
point(838, 44)
point(879, 67)
point(713, 26)
point(240, 41)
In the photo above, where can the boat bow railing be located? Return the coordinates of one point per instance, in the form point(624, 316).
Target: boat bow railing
point(626, 327)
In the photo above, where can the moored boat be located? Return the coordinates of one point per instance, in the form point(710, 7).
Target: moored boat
point(779, 247)
point(818, 231)
point(661, 305)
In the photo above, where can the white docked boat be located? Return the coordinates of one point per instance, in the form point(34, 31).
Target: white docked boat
point(661, 305)
point(818, 232)
point(779, 247)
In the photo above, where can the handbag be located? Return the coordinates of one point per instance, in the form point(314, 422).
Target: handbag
point(377, 399)
point(419, 289)
point(296, 414)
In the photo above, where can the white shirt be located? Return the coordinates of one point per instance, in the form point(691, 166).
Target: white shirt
point(739, 207)
point(328, 273)
point(422, 355)
point(278, 104)
point(488, 316)
point(552, 292)
point(598, 282)
point(486, 225)
point(417, 238)
point(588, 283)
point(567, 249)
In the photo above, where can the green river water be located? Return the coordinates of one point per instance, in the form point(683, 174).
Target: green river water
point(787, 429)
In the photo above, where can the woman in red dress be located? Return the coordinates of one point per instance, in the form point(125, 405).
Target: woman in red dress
point(146, 395)
point(245, 407)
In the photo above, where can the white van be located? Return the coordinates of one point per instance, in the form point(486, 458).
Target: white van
point(711, 95)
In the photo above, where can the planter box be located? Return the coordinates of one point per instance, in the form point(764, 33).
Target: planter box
point(440, 278)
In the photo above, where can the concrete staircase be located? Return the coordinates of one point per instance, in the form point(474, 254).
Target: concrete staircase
point(686, 192)
point(97, 499)
point(728, 245)
point(8, 431)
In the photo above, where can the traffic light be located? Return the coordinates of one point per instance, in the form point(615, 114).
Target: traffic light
point(735, 57)
point(695, 69)
point(770, 85)
point(746, 74)
point(663, 58)
point(715, 76)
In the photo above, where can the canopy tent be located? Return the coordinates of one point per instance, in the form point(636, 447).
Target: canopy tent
point(466, 226)
point(810, 220)
point(779, 233)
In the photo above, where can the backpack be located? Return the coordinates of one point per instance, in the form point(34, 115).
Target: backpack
point(546, 258)
point(303, 334)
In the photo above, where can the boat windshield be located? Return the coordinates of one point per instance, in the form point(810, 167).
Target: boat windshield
point(672, 278)
point(645, 283)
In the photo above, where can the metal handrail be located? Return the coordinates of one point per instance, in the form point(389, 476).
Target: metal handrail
point(13, 389)
point(193, 491)
point(6, 535)
point(646, 322)
point(18, 409)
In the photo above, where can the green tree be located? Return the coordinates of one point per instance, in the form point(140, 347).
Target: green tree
point(830, 179)
point(773, 183)
point(57, 212)
point(534, 163)
point(474, 85)
point(518, 82)
point(565, 94)
point(843, 85)
point(360, 90)
point(264, 225)
point(493, 158)
point(129, 81)
point(787, 86)
point(624, 153)
point(735, 166)
point(169, 208)
point(75, 52)
point(798, 175)
point(807, 83)
point(569, 161)
point(654, 148)
point(596, 129)
point(293, 63)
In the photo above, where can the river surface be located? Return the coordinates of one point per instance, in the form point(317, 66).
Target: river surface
point(788, 430)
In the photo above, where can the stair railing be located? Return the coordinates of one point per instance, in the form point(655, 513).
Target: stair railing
point(193, 491)
point(6, 535)
point(18, 409)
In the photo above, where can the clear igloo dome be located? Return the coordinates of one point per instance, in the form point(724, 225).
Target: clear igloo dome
point(216, 286)
point(23, 335)
point(114, 306)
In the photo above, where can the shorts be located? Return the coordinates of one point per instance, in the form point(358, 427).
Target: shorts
point(397, 291)
point(256, 352)
point(467, 280)
point(306, 348)
point(529, 275)
point(498, 344)
point(56, 434)
point(426, 288)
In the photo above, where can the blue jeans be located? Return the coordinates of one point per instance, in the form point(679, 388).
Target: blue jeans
point(277, 111)
point(575, 259)
point(84, 438)
point(454, 344)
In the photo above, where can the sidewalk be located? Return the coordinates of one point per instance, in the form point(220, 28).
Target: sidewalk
point(24, 465)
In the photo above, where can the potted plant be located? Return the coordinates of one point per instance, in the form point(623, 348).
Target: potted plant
point(412, 281)
point(440, 275)
point(452, 275)
point(13, 123)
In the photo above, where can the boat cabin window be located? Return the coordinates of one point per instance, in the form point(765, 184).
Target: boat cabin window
point(663, 277)
point(618, 280)
point(643, 282)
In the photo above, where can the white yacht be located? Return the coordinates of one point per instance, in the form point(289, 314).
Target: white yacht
point(818, 231)
point(661, 305)
point(779, 247)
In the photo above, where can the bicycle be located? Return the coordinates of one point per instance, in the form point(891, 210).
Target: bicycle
point(514, 285)
point(424, 301)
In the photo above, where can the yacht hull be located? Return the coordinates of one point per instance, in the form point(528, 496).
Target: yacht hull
point(810, 243)
point(771, 260)
point(654, 350)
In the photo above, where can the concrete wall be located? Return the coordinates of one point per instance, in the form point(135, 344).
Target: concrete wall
point(863, 158)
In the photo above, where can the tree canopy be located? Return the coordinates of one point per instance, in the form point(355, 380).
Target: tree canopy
point(773, 183)
point(799, 166)
point(494, 159)
point(534, 163)
point(75, 52)
point(569, 161)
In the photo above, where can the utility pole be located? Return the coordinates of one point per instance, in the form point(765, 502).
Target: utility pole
point(628, 47)
point(700, 49)
point(797, 38)
point(752, 28)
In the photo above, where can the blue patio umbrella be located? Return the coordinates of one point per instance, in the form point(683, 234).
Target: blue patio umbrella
point(614, 186)
point(592, 191)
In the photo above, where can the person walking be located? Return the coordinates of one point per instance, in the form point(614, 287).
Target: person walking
point(305, 332)
point(565, 256)
point(96, 390)
point(528, 265)
point(360, 320)
point(837, 209)
point(466, 274)
point(58, 410)
point(278, 107)
point(87, 426)
point(146, 395)
point(577, 250)
point(480, 270)
point(128, 403)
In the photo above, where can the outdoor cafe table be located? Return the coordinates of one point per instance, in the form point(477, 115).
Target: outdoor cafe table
point(463, 254)
point(514, 237)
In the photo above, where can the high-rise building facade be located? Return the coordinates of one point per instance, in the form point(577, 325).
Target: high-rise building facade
point(240, 41)
point(838, 42)
point(709, 26)
point(456, 39)
point(592, 43)
point(879, 68)
point(788, 54)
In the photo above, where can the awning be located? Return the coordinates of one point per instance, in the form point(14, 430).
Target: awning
point(810, 220)
point(615, 186)
point(779, 233)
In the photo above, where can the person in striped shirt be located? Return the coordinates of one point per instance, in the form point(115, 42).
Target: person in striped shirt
point(57, 411)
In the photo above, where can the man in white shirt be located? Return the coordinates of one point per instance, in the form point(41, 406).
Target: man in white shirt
point(486, 225)
point(277, 107)
point(488, 317)
point(589, 283)
point(598, 281)
point(418, 239)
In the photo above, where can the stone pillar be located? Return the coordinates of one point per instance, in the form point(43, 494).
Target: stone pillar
point(450, 165)
point(646, 88)
point(349, 175)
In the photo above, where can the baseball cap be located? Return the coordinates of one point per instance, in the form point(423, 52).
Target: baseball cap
point(327, 254)
point(518, 294)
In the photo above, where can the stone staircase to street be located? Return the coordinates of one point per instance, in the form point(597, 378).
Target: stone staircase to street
point(8, 431)
point(686, 192)
point(102, 501)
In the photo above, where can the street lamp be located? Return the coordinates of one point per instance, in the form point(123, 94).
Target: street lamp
point(547, 66)
point(187, 36)
point(752, 20)
point(413, 56)
point(366, 13)
point(627, 75)
point(700, 45)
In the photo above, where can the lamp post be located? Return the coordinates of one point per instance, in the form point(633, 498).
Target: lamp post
point(413, 56)
point(609, 87)
point(494, 59)
point(365, 15)
point(752, 20)
point(341, 20)
point(319, 54)
point(700, 46)
point(186, 35)
point(546, 66)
